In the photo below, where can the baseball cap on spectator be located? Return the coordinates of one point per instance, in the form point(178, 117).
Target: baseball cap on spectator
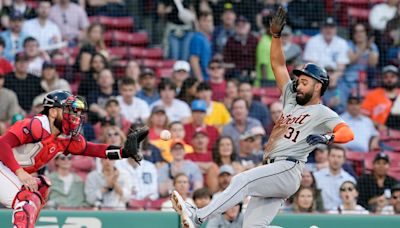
point(157, 109)
point(395, 188)
point(242, 18)
point(21, 57)
point(329, 22)
point(48, 65)
point(381, 156)
point(146, 72)
point(181, 66)
point(226, 169)
point(258, 130)
point(200, 130)
point(199, 105)
point(391, 69)
point(247, 135)
point(176, 142)
point(16, 15)
point(354, 99)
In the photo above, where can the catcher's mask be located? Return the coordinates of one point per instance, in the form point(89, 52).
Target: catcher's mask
point(73, 111)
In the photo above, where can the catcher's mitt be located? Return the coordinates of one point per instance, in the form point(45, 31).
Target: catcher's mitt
point(131, 147)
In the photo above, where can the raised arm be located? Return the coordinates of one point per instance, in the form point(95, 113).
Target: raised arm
point(278, 62)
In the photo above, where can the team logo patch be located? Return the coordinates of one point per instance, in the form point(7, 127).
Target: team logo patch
point(25, 130)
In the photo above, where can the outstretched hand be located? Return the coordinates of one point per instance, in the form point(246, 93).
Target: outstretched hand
point(278, 22)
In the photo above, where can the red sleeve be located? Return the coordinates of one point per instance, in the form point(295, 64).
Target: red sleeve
point(95, 150)
point(7, 142)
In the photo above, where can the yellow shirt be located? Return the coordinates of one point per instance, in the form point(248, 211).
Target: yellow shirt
point(165, 148)
point(217, 115)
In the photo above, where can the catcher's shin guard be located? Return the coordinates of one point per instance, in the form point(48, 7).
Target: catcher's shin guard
point(28, 204)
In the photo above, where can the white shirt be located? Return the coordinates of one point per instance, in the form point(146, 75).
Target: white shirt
point(139, 109)
point(35, 66)
point(144, 178)
point(43, 34)
point(324, 54)
point(358, 210)
point(178, 110)
point(330, 186)
point(380, 15)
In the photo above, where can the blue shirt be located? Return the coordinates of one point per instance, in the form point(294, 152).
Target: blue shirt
point(10, 47)
point(352, 70)
point(149, 99)
point(260, 112)
point(363, 129)
point(200, 46)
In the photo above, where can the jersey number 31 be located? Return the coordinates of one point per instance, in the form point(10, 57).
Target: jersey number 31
point(290, 132)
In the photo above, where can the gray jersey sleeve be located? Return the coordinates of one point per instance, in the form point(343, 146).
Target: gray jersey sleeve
point(289, 95)
point(328, 119)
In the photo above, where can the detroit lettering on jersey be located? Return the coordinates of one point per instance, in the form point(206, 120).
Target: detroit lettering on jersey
point(288, 137)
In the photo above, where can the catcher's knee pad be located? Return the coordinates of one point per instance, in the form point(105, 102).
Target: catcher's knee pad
point(26, 209)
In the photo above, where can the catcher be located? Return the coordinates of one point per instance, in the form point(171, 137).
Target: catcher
point(31, 143)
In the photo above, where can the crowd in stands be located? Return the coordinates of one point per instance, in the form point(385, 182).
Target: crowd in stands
point(201, 69)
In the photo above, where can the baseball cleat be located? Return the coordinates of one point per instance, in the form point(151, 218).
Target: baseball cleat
point(186, 211)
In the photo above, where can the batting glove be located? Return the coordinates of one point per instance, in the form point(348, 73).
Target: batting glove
point(320, 139)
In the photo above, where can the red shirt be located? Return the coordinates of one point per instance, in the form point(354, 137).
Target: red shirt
point(212, 132)
point(5, 66)
point(199, 157)
point(218, 91)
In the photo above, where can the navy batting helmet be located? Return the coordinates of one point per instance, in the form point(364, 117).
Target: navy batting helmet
point(314, 71)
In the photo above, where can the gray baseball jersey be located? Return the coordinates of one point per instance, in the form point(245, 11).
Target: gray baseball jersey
point(288, 137)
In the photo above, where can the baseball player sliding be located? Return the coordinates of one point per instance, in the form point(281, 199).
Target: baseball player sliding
point(31, 143)
point(304, 123)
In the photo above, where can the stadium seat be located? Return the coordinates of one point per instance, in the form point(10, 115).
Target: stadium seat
point(164, 72)
point(168, 63)
point(357, 161)
point(118, 38)
point(118, 52)
point(114, 23)
point(359, 14)
point(118, 68)
point(146, 53)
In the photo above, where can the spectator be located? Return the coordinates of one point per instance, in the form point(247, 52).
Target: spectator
point(363, 54)
point(374, 187)
point(263, 62)
point(132, 108)
point(24, 84)
point(177, 133)
point(36, 56)
point(232, 218)
point(158, 121)
point(305, 21)
point(98, 98)
point(276, 109)
point(181, 71)
point(382, 13)
point(109, 187)
point(241, 121)
point(97, 64)
point(144, 177)
point(112, 8)
point(199, 112)
point(37, 106)
point(348, 194)
point(202, 197)
point(224, 153)
point(292, 51)
point(178, 30)
point(5, 66)
point(231, 93)
point(303, 202)
point(259, 135)
point(394, 207)
point(382, 104)
point(391, 40)
point(14, 36)
point(148, 92)
point(133, 71)
point(71, 19)
point(246, 156)
point(182, 186)
point(176, 110)
point(42, 29)
point(67, 189)
point(224, 31)
point(170, 171)
point(240, 49)
point(366, 137)
point(226, 172)
point(217, 114)
point(308, 181)
point(320, 157)
point(9, 105)
point(188, 91)
point(200, 52)
point(50, 79)
point(330, 179)
point(21, 7)
point(216, 72)
point(336, 94)
point(92, 44)
point(256, 109)
point(328, 49)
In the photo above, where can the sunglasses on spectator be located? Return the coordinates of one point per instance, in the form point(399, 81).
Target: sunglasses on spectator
point(63, 157)
point(349, 189)
point(112, 134)
point(215, 67)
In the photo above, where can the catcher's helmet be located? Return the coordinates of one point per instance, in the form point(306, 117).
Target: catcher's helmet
point(314, 71)
point(56, 99)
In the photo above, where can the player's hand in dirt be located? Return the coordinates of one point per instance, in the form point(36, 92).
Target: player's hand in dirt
point(319, 139)
point(27, 180)
point(278, 22)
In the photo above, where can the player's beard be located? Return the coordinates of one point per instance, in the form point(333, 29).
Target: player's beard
point(390, 87)
point(305, 99)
